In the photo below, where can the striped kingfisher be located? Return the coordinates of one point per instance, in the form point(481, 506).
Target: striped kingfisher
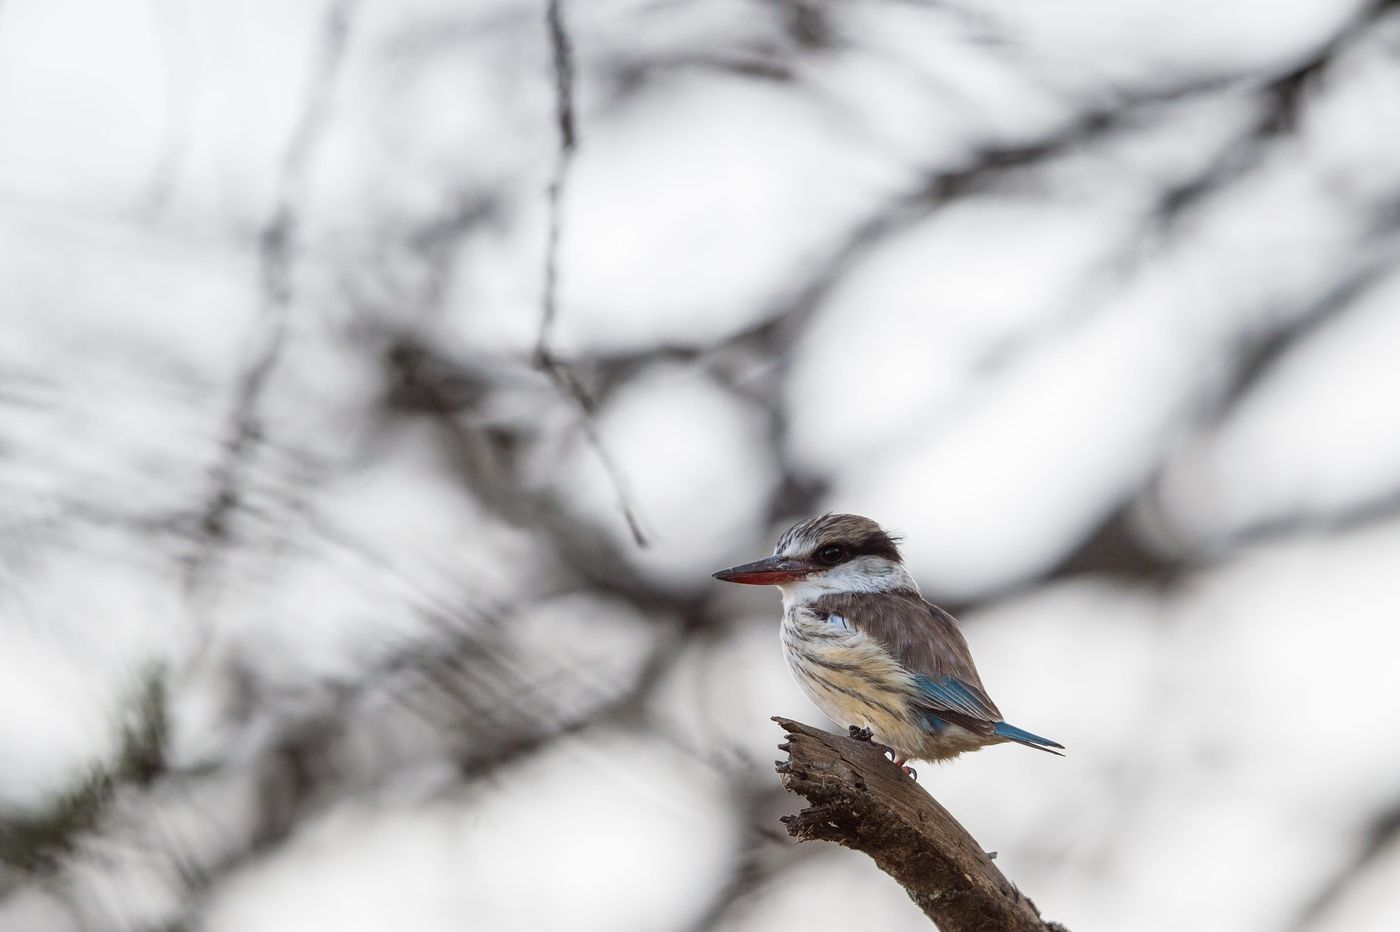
point(867, 648)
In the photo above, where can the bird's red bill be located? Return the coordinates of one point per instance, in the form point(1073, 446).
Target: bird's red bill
point(772, 571)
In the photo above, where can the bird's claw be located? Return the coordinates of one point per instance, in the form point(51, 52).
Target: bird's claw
point(911, 773)
point(865, 734)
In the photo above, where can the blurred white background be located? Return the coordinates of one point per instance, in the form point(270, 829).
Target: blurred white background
point(319, 605)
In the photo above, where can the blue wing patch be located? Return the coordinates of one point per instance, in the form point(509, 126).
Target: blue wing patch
point(950, 694)
point(839, 622)
point(949, 698)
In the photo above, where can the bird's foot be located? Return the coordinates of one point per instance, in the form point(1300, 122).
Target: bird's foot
point(865, 734)
point(909, 772)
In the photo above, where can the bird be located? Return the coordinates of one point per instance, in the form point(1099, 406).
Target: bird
point(869, 651)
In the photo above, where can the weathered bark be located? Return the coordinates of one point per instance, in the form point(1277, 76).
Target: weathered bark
point(861, 800)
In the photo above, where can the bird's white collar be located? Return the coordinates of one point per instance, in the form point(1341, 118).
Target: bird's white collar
point(860, 575)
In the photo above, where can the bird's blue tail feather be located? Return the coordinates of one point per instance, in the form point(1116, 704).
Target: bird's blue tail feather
point(1020, 736)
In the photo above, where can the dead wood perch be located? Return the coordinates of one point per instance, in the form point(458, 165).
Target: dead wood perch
point(861, 800)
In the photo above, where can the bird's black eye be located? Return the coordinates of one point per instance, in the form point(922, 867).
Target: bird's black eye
point(831, 555)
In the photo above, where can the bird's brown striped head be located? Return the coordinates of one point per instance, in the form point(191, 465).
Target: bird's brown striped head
point(832, 539)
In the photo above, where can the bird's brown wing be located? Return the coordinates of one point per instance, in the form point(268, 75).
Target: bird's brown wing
point(925, 640)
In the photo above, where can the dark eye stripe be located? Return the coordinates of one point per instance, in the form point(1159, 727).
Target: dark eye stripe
point(876, 545)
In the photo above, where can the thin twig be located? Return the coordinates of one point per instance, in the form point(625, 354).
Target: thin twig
point(562, 61)
point(276, 256)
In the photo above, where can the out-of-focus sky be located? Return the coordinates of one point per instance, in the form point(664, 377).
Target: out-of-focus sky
point(320, 607)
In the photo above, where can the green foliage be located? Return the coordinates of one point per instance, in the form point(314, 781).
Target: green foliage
point(37, 842)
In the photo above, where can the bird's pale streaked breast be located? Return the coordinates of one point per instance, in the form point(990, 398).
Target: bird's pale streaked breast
point(849, 676)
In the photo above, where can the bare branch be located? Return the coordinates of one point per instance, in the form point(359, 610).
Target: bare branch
point(562, 58)
point(862, 801)
point(276, 256)
point(1382, 835)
